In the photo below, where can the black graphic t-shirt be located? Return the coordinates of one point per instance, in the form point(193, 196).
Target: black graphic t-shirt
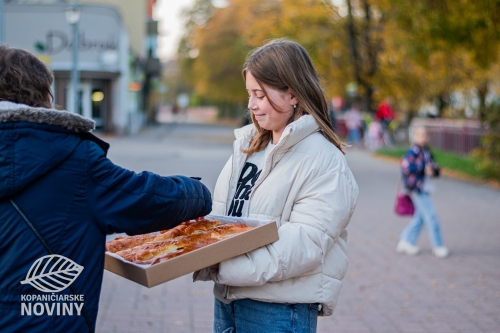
point(249, 175)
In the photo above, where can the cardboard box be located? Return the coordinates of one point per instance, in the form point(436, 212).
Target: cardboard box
point(265, 232)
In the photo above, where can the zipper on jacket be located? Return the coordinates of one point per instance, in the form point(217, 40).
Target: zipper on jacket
point(264, 174)
point(271, 157)
point(226, 292)
point(233, 165)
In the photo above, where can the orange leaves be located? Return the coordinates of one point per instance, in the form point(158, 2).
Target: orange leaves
point(227, 37)
point(422, 48)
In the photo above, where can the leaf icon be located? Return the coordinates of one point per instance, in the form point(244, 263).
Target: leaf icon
point(52, 273)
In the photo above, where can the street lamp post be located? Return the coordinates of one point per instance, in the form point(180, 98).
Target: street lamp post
point(2, 22)
point(73, 18)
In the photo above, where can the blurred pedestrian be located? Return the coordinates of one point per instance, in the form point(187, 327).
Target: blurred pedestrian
point(385, 114)
point(375, 135)
point(418, 167)
point(354, 123)
point(288, 167)
point(61, 195)
point(175, 109)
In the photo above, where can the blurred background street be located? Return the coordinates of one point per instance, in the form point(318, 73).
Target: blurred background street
point(162, 81)
point(382, 291)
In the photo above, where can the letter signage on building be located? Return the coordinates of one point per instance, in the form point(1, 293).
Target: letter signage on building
point(43, 30)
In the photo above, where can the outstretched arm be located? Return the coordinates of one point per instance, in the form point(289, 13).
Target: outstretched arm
point(124, 201)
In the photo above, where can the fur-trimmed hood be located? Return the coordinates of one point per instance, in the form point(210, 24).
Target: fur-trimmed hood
point(34, 141)
point(12, 112)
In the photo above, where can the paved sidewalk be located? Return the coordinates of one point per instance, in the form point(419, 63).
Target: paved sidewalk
point(382, 291)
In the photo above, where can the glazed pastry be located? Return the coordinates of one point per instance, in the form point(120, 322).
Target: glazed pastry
point(158, 247)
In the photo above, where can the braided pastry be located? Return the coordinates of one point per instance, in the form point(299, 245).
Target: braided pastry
point(121, 243)
point(158, 247)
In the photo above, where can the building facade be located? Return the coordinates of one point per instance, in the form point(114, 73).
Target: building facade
point(112, 71)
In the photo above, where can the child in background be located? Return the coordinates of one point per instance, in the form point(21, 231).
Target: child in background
point(418, 167)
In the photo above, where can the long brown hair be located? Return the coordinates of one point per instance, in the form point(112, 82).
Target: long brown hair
point(24, 79)
point(283, 64)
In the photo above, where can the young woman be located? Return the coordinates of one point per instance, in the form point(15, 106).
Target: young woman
point(289, 167)
point(417, 168)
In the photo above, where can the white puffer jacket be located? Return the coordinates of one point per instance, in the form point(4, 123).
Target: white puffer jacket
point(308, 189)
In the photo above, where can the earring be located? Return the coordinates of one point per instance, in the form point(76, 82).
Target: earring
point(295, 106)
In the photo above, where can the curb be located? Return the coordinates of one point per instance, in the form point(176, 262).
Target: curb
point(494, 184)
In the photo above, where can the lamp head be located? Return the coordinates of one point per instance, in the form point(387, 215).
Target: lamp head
point(73, 14)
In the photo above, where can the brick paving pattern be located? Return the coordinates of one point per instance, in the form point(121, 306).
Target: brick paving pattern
point(382, 291)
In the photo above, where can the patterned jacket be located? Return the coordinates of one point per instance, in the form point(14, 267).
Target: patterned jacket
point(413, 165)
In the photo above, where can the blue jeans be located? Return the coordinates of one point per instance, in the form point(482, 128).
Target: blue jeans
point(354, 137)
point(424, 214)
point(249, 316)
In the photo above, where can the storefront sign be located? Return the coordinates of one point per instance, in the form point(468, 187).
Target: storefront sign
point(43, 30)
point(57, 41)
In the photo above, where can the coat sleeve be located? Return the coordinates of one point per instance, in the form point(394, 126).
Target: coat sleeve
point(124, 201)
point(321, 212)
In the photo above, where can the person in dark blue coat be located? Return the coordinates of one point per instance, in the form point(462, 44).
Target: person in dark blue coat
point(55, 175)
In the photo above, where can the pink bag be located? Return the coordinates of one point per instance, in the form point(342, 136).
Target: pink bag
point(404, 205)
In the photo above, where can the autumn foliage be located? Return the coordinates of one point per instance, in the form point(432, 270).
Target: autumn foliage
point(412, 51)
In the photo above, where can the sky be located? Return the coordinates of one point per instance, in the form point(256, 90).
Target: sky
point(171, 26)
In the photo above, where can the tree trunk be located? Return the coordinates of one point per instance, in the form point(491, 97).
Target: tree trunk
point(371, 54)
point(351, 30)
point(361, 75)
point(482, 91)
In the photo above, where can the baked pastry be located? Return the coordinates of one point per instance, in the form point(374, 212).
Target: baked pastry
point(121, 243)
point(158, 247)
point(187, 229)
point(196, 240)
point(127, 242)
point(176, 253)
point(228, 229)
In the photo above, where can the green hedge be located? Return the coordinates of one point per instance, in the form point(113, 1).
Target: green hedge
point(466, 165)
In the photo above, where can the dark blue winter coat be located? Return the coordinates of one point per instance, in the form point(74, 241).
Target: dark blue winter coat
point(59, 176)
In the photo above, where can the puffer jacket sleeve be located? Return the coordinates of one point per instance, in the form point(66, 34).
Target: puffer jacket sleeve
point(124, 201)
point(321, 212)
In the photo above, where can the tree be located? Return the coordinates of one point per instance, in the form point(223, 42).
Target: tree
point(466, 29)
point(414, 52)
point(196, 16)
point(363, 46)
point(227, 36)
point(316, 26)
